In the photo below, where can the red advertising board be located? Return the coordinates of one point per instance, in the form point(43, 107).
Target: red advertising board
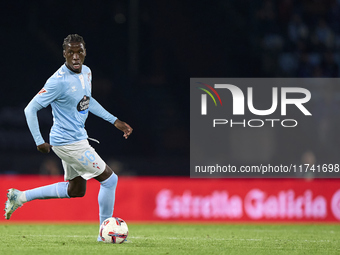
point(185, 199)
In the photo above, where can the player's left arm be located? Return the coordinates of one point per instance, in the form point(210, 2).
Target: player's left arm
point(99, 111)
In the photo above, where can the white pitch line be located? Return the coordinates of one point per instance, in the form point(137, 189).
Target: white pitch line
point(80, 236)
point(179, 238)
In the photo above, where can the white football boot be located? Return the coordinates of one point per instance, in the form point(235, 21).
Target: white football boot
point(12, 202)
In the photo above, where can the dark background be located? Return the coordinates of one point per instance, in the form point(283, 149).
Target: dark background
point(142, 55)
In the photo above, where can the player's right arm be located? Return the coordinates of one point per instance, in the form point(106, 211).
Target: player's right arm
point(47, 95)
point(32, 121)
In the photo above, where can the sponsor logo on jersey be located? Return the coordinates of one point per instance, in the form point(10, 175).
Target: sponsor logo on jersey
point(83, 105)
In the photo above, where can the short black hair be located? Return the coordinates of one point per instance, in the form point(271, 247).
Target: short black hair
point(73, 38)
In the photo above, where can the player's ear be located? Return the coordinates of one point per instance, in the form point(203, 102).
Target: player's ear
point(64, 54)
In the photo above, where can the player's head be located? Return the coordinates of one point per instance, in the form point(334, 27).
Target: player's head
point(74, 52)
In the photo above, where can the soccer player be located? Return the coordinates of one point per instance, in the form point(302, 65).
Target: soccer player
point(68, 91)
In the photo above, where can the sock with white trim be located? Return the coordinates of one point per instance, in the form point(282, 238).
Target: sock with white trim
point(56, 190)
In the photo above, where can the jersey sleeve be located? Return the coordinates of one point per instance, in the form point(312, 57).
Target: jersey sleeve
point(99, 111)
point(50, 91)
point(32, 121)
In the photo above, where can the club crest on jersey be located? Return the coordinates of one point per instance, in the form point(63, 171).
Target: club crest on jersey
point(42, 91)
point(83, 105)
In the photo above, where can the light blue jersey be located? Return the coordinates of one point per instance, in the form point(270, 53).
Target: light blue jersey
point(69, 95)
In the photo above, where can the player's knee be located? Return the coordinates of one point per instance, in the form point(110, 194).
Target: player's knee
point(77, 187)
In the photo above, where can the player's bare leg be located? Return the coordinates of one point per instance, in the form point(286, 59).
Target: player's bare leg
point(104, 175)
point(77, 187)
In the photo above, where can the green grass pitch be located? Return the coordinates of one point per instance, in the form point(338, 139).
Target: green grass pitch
point(165, 239)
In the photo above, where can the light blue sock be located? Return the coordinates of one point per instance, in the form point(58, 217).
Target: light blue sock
point(106, 197)
point(56, 190)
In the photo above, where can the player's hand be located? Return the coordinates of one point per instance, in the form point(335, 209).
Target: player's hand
point(44, 148)
point(121, 125)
